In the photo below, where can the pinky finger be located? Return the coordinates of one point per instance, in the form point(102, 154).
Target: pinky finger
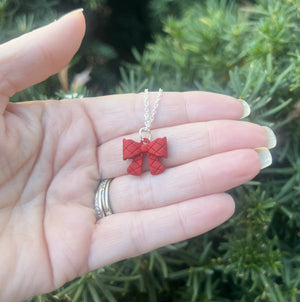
point(130, 234)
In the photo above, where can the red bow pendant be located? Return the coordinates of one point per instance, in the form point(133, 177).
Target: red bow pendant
point(137, 150)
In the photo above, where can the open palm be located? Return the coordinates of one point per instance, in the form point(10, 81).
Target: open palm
point(53, 155)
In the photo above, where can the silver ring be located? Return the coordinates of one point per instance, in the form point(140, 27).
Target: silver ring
point(102, 203)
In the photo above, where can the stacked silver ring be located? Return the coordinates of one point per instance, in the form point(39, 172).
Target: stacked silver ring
point(102, 203)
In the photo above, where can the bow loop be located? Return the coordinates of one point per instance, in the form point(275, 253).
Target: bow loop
point(158, 147)
point(131, 148)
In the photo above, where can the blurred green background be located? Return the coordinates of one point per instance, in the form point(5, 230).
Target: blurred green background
point(247, 49)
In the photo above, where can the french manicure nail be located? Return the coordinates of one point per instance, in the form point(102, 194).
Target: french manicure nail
point(246, 108)
point(264, 156)
point(272, 141)
point(75, 11)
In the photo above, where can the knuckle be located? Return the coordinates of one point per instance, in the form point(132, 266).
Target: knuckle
point(182, 222)
point(146, 196)
point(138, 235)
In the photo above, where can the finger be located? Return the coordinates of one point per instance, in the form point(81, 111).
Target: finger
point(35, 56)
point(187, 143)
point(119, 115)
point(213, 174)
point(125, 235)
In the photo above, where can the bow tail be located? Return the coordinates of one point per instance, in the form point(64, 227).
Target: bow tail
point(135, 168)
point(156, 167)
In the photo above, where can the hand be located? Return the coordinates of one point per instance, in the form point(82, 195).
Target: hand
point(54, 153)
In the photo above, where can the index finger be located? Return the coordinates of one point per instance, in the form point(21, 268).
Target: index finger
point(119, 115)
point(35, 56)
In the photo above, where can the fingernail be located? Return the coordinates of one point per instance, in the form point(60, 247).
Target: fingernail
point(272, 141)
point(246, 108)
point(73, 12)
point(264, 156)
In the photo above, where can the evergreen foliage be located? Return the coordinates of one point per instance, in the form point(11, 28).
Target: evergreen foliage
point(250, 50)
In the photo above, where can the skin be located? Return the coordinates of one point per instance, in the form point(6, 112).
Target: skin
point(54, 153)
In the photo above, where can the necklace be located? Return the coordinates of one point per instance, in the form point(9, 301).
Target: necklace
point(146, 147)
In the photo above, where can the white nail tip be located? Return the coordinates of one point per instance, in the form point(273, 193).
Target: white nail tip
point(264, 156)
point(272, 141)
point(246, 109)
point(73, 12)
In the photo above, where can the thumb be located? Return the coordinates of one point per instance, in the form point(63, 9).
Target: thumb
point(35, 56)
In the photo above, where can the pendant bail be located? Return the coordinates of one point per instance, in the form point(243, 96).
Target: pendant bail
point(147, 137)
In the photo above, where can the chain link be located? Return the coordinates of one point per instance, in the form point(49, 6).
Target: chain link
point(150, 118)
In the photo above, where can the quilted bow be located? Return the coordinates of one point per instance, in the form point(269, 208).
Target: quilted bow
point(137, 150)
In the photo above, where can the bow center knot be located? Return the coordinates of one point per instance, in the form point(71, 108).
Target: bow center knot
point(144, 148)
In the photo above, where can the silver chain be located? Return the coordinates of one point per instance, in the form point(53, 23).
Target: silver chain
point(150, 118)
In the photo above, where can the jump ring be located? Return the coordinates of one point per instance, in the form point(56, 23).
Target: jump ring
point(145, 130)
